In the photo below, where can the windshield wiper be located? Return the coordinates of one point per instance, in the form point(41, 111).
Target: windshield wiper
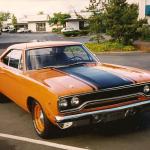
point(79, 63)
point(46, 67)
point(74, 64)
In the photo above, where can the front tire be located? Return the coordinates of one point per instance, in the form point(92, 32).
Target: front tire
point(43, 127)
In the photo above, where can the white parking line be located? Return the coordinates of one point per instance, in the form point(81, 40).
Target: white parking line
point(40, 142)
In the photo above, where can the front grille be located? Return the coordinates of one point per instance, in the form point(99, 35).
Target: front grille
point(116, 92)
point(107, 96)
point(110, 102)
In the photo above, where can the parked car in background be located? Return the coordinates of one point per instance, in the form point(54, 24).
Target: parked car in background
point(63, 85)
point(9, 29)
point(5, 29)
point(67, 29)
point(23, 30)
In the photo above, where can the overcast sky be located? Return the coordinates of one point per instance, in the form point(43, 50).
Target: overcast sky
point(25, 7)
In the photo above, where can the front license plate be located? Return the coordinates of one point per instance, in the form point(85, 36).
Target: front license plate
point(115, 116)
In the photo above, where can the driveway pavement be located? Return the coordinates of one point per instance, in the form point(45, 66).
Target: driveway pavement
point(139, 59)
point(8, 39)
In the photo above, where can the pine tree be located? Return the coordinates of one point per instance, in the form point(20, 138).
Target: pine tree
point(121, 20)
point(96, 19)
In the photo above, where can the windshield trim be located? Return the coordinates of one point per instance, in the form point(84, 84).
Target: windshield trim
point(74, 64)
point(96, 60)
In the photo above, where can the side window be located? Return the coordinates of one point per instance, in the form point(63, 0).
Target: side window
point(13, 59)
point(6, 58)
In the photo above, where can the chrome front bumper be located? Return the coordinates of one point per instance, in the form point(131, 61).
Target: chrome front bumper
point(70, 118)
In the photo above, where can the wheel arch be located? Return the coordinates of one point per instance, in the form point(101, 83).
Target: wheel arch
point(30, 102)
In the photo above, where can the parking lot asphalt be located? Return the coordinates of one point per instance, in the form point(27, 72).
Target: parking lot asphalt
point(138, 60)
point(130, 134)
point(29, 37)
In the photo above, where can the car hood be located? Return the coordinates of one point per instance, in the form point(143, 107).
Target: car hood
point(59, 82)
point(86, 78)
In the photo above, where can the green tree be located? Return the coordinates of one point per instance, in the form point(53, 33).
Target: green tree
point(121, 20)
point(4, 16)
point(59, 19)
point(96, 20)
point(14, 21)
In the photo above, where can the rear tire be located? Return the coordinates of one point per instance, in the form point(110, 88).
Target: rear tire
point(43, 127)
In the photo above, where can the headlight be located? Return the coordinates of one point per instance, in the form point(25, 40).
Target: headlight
point(146, 89)
point(75, 101)
point(63, 103)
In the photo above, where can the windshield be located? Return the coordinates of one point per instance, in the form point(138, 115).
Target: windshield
point(57, 57)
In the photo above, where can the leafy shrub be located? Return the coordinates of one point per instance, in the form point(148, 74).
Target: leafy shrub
point(71, 33)
point(96, 38)
point(145, 32)
point(86, 28)
point(109, 46)
point(84, 32)
point(56, 30)
point(129, 48)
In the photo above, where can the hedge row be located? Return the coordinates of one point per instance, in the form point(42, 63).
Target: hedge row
point(75, 33)
point(109, 46)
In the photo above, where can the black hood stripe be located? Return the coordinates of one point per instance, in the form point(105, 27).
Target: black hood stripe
point(99, 78)
point(120, 75)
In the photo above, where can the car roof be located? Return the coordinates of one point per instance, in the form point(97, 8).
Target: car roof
point(26, 46)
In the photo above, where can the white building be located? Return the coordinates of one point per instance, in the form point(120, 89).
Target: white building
point(144, 8)
point(35, 23)
point(38, 23)
point(77, 23)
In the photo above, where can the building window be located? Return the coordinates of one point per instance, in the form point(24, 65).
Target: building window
point(81, 25)
point(147, 10)
point(40, 26)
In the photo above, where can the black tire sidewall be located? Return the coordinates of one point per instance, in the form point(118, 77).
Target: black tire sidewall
point(49, 129)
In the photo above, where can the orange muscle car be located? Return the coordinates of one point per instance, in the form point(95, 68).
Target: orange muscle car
point(64, 85)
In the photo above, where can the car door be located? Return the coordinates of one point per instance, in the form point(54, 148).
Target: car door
point(11, 71)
